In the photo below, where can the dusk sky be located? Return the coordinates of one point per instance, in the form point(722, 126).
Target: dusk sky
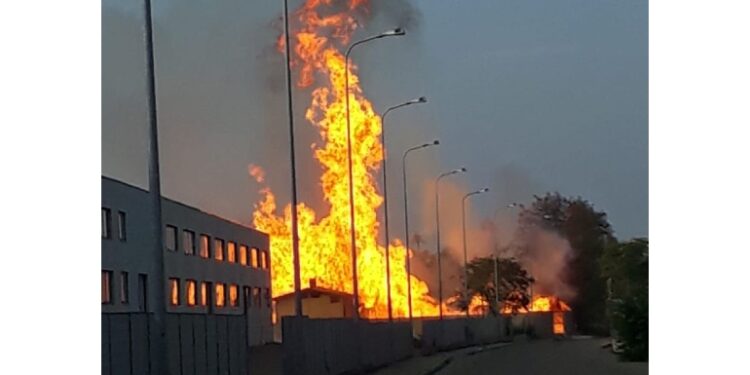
point(531, 95)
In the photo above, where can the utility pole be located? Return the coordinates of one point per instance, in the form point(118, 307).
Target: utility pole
point(158, 325)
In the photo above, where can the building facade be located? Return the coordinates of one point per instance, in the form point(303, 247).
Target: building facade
point(212, 266)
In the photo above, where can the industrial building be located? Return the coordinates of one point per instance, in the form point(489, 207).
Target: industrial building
point(217, 275)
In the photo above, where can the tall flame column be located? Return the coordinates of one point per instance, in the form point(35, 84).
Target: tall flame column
point(355, 286)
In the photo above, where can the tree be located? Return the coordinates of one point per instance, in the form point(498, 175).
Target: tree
point(588, 232)
point(513, 284)
point(625, 266)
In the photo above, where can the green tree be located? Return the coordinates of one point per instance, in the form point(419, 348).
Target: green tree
point(588, 232)
point(625, 266)
point(513, 284)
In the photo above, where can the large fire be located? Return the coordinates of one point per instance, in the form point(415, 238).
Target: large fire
point(325, 247)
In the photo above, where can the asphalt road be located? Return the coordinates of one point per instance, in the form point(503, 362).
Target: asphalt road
point(563, 357)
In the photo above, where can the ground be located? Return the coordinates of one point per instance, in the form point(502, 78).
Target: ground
point(580, 356)
point(572, 356)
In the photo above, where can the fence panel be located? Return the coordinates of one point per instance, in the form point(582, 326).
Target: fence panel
point(119, 328)
point(140, 343)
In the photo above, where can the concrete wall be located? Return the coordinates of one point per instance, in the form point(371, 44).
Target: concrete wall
point(197, 344)
point(339, 346)
point(446, 334)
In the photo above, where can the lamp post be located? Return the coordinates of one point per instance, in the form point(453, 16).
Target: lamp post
point(421, 99)
point(463, 223)
point(353, 230)
point(406, 220)
point(292, 159)
point(158, 325)
point(497, 272)
point(437, 219)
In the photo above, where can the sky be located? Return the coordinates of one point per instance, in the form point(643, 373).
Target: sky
point(532, 96)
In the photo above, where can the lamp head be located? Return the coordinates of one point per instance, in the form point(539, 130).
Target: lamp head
point(394, 32)
point(461, 170)
point(484, 190)
point(436, 142)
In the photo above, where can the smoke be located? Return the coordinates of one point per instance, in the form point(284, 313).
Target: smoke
point(545, 254)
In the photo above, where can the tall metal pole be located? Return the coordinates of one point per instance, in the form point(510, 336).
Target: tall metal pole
point(385, 220)
point(497, 283)
point(352, 223)
point(406, 221)
point(466, 273)
point(466, 262)
point(292, 159)
point(437, 220)
point(353, 229)
point(154, 187)
point(385, 203)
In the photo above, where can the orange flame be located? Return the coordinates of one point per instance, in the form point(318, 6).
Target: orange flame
point(325, 248)
point(541, 303)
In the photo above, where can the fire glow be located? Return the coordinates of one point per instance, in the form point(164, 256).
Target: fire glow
point(324, 240)
point(550, 304)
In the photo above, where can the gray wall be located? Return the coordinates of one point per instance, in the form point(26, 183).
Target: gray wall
point(446, 334)
point(339, 346)
point(134, 254)
point(197, 344)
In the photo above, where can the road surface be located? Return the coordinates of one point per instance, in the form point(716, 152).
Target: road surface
point(538, 357)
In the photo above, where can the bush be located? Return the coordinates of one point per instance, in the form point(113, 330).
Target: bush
point(630, 320)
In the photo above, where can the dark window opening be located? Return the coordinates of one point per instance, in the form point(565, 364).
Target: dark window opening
point(121, 226)
point(106, 223)
point(124, 288)
point(188, 242)
point(170, 238)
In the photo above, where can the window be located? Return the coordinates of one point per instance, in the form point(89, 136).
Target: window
point(218, 249)
point(124, 288)
point(243, 255)
point(121, 226)
point(188, 242)
point(219, 295)
point(106, 287)
point(106, 223)
point(204, 246)
point(204, 294)
point(142, 290)
point(268, 297)
point(233, 295)
point(231, 252)
point(170, 237)
point(191, 292)
point(254, 257)
point(256, 297)
point(174, 292)
point(247, 294)
point(263, 259)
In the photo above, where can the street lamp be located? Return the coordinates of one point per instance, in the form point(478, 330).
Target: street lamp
point(406, 220)
point(395, 32)
point(497, 271)
point(437, 219)
point(292, 159)
point(463, 223)
point(421, 99)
